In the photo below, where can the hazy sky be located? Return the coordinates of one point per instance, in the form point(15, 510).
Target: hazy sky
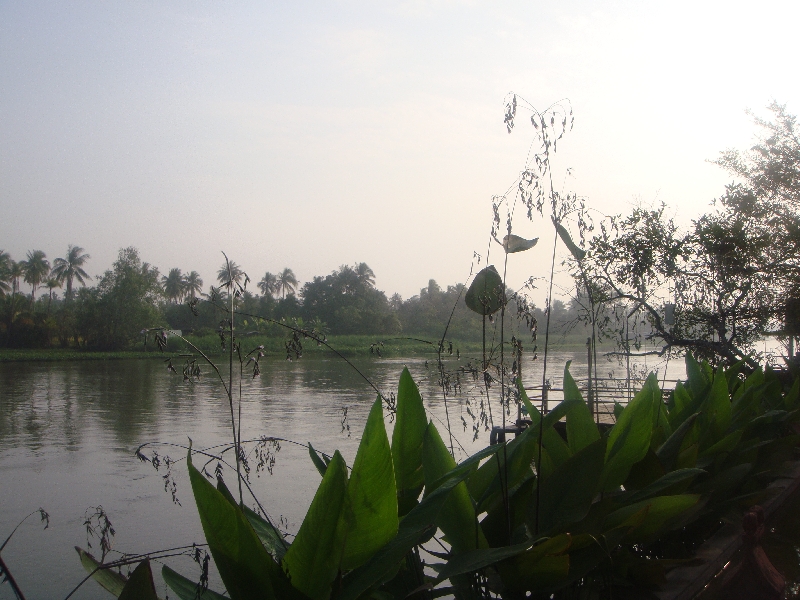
point(311, 135)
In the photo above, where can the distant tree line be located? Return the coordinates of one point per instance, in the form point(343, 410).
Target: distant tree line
point(111, 312)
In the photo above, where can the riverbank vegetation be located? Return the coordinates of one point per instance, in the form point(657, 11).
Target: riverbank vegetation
point(132, 296)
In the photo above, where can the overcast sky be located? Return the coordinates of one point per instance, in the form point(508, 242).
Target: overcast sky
point(311, 135)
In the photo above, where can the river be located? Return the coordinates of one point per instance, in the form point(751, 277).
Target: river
point(69, 431)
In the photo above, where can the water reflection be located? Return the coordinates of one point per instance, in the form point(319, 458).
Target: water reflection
point(68, 431)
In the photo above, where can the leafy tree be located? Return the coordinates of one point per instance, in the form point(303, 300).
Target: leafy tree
point(194, 284)
point(729, 275)
point(35, 270)
point(268, 284)
point(125, 301)
point(365, 274)
point(51, 284)
point(229, 273)
point(348, 304)
point(71, 267)
point(15, 271)
point(174, 285)
point(5, 272)
point(287, 282)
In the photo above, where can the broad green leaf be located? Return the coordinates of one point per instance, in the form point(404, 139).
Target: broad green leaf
point(417, 527)
point(644, 472)
point(140, 584)
point(475, 560)
point(495, 524)
point(725, 482)
point(697, 377)
point(484, 478)
point(660, 510)
point(755, 379)
point(629, 439)
point(247, 570)
point(513, 243)
point(186, 589)
point(111, 581)
point(407, 438)
point(726, 444)
point(669, 450)
point(581, 428)
point(668, 481)
point(565, 497)
point(372, 493)
point(541, 568)
point(312, 561)
point(318, 462)
point(792, 396)
point(567, 239)
point(271, 538)
point(457, 519)
point(718, 406)
point(485, 294)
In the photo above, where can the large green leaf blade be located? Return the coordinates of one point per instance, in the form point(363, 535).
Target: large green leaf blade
point(109, 580)
point(514, 243)
point(185, 588)
point(581, 428)
point(247, 570)
point(629, 440)
point(372, 493)
point(417, 526)
point(457, 519)
point(660, 510)
point(576, 251)
point(485, 294)
point(565, 497)
point(312, 561)
point(407, 439)
point(140, 584)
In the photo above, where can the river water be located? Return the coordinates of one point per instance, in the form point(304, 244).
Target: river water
point(69, 431)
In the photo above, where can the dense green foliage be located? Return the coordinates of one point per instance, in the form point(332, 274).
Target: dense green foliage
point(132, 296)
point(565, 506)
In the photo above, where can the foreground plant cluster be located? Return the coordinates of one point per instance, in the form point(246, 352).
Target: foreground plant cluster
point(567, 508)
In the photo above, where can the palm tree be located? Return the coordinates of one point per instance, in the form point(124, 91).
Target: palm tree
point(15, 271)
point(36, 269)
point(287, 282)
point(365, 274)
point(174, 285)
point(194, 285)
point(268, 284)
point(52, 284)
point(230, 273)
point(71, 267)
point(5, 272)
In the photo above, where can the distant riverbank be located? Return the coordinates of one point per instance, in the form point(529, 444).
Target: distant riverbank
point(347, 345)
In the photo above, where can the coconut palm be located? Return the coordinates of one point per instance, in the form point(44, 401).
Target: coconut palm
point(15, 271)
point(51, 284)
point(268, 284)
point(287, 282)
point(35, 270)
point(70, 268)
point(229, 273)
point(365, 274)
point(174, 285)
point(194, 284)
point(5, 272)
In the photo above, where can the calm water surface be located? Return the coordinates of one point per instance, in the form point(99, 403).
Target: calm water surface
point(68, 432)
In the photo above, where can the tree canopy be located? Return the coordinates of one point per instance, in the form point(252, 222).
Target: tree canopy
point(721, 285)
